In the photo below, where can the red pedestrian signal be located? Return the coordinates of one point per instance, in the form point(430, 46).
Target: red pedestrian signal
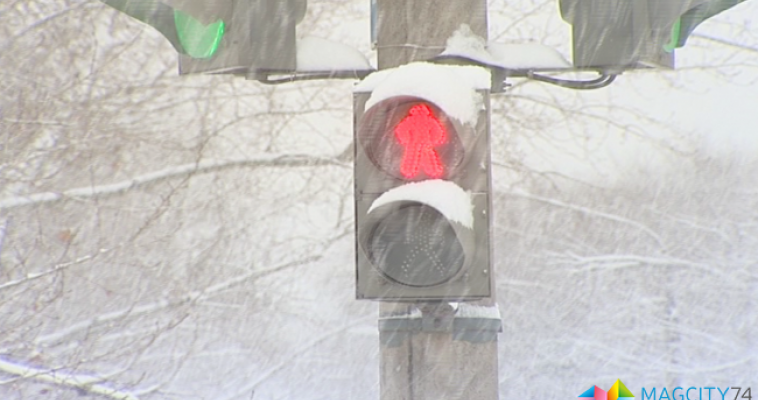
point(422, 181)
point(411, 139)
point(420, 133)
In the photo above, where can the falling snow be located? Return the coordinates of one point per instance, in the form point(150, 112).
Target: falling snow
point(166, 237)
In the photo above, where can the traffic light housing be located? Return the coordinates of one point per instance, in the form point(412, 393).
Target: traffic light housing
point(422, 194)
point(687, 23)
point(186, 33)
point(261, 40)
point(245, 37)
point(623, 34)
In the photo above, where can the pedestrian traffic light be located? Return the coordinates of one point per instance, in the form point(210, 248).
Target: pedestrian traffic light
point(246, 37)
point(622, 34)
point(422, 190)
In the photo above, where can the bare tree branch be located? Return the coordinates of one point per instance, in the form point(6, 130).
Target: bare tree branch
point(730, 43)
point(55, 268)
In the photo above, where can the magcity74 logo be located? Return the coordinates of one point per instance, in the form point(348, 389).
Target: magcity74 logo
point(620, 392)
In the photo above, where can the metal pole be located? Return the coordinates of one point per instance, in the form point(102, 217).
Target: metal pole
point(434, 362)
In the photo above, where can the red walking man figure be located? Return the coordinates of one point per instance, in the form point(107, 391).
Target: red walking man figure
point(420, 132)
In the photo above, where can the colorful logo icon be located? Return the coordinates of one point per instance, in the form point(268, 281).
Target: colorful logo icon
point(618, 392)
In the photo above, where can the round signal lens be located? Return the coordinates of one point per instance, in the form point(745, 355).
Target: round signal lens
point(415, 245)
point(411, 139)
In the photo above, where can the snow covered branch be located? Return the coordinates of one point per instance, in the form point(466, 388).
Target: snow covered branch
point(86, 383)
point(55, 268)
point(589, 211)
point(615, 261)
point(250, 387)
point(194, 296)
point(180, 171)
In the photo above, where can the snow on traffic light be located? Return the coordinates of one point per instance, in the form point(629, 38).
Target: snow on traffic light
point(422, 184)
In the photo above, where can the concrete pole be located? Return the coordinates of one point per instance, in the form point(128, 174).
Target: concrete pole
point(417, 30)
point(429, 364)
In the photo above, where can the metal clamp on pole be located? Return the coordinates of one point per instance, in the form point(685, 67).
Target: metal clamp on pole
point(396, 329)
point(477, 324)
point(470, 323)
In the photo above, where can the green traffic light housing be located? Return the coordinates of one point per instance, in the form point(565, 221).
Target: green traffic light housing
point(617, 35)
point(197, 39)
point(251, 38)
point(686, 24)
point(185, 33)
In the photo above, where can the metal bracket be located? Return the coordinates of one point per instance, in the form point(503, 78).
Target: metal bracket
point(469, 323)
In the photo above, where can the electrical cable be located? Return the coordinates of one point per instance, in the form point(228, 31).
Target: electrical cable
point(315, 76)
point(604, 80)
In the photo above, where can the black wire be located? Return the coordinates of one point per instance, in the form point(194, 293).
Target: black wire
point(316, 76)
point(604, 80)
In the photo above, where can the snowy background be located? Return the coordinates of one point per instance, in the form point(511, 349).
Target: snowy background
point(192, 237)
